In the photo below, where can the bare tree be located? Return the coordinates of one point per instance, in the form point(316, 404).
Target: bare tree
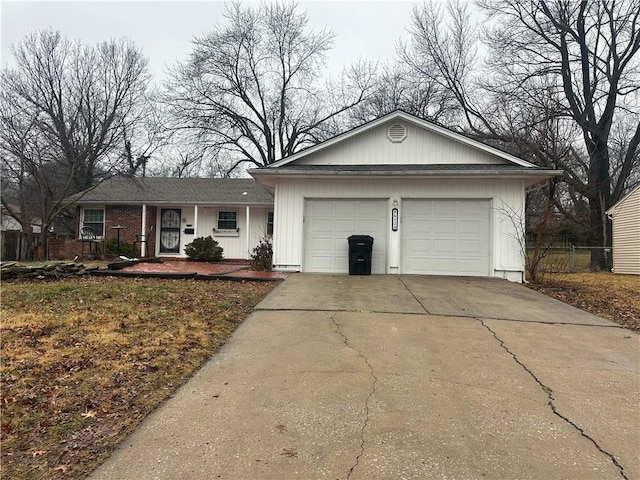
point(402, 88)
point(63, 112)
point(250, 88)
point(576, 62)
point(592, 48)
point(442, 49)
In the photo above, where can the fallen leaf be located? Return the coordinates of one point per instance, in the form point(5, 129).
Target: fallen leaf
point(289, 452)
point(89, 414)
point(281, 428)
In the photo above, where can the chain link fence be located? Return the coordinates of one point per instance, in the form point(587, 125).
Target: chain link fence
point(570, 259)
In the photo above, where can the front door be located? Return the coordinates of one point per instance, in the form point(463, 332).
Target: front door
point(170, 230)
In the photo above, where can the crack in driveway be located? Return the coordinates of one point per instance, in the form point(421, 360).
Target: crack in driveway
point(366, 403)
point(414, 296)
point(549, 393)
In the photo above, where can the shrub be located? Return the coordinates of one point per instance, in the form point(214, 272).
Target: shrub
point(204, 249)
point(111, 248)
point(262, 256)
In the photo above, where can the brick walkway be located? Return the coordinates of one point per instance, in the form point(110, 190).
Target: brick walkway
point(203, 268)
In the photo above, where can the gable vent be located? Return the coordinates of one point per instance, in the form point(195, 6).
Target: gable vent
point(397, 132)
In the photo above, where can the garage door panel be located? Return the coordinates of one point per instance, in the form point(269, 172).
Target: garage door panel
point(444, 209)
point(373, 225)
point(469, 227)
point(444, 245)
point(456, 242)
point(471, 208)
point(419, 225)
point(331, 222)
point(468, 266)
point(345, 226)
point(469, 247)
point(320, 209)
point(345, 209)
point(320, 226)
point(319, 243)
point(365, 208)
point(321, 262)
point(444, 226)
point(421, 245)
point(445, 265)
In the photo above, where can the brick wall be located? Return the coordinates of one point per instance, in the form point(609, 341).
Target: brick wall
point(130, 217)
point(65, 248)
point(127, 216)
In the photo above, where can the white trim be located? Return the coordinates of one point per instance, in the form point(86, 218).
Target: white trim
point(399, 115)
point(612, 208)
point(104, 218)
point(247, 233)
point(143, 245)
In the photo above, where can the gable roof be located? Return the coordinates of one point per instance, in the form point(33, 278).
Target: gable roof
point(189, 191)
point(612, 209)
point(507, 165)
point(401, 115)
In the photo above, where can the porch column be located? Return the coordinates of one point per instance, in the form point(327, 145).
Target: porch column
point(143, 245)
point(195, 221)
point(247, 234)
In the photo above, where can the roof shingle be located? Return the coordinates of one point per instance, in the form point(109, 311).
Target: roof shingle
point(200, 191)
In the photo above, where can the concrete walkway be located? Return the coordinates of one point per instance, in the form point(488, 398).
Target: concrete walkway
point(389, 377)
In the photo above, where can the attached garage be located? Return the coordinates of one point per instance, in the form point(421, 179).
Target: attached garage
point(435, 201)
point(446, 237)
point(327, 225)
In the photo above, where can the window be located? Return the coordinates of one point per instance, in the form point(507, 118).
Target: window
point(270, 223)
point(94, 218)
point(227, 220)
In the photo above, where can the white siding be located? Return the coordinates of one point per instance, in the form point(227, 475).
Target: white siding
point(234, 246)
point(507, 207)
point(626, 234)
point(419, 147)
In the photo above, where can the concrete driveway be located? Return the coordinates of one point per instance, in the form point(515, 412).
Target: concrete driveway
point(389, 377)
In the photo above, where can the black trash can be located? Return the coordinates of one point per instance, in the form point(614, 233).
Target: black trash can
point(360, 247)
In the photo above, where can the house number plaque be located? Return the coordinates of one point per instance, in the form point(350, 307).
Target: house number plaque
point(394, 219)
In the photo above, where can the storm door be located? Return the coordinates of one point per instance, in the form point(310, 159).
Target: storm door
point(170, 230)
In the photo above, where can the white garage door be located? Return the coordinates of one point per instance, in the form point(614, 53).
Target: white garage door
point(445, 237)
point(328, 224)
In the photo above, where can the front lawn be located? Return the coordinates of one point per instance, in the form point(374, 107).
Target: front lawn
point(84, 360)
point(610, 296)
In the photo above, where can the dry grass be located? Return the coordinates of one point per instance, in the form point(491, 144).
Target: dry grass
point(610, 296)
point(84, 360)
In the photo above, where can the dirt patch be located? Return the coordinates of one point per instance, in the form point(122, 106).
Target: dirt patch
point(610, 296)
point(86, 359)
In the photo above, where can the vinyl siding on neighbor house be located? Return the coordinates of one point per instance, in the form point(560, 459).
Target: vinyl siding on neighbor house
point(625, 216)
point(505, 195)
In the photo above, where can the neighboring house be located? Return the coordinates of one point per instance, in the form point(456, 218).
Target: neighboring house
point(171, 212)
point(13, 245)
point(435, 201)
point(625, 217)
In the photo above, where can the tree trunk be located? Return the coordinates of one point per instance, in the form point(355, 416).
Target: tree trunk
point(599, 197)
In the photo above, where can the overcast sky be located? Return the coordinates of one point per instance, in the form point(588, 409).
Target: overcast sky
point(163, 29)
